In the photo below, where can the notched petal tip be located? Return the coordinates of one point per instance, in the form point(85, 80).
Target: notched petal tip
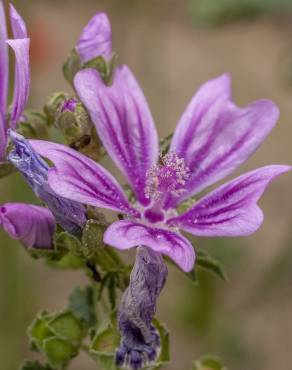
point(215, 137)
point(95, 39)
point(230, 210)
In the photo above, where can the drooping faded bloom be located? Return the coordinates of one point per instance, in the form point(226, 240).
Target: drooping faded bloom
point(69, 214)
point(212, 139)
point(140, 341)
point(9, 117)
point(34, 226)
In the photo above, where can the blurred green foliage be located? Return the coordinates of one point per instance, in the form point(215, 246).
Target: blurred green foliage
point(215, 12)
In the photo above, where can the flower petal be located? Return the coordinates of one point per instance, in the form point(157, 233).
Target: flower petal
point(95, 39)
point(3, 139)
point(4, 63)
point(123, 122)
point(79, 178)
point(22, 78)
point(215, 137)
point(230, 210)
point(17, 24)
point(34, 226)
point(128, 234)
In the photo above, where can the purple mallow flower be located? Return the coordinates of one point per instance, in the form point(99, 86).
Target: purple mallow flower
point(20, 45)
point(34, 226)
point(69, 214)
point(95, 39)
point(212, 139)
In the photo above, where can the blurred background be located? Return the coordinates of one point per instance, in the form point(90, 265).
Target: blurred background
point(173, 46)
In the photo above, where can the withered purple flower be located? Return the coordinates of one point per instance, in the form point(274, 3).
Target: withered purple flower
point(69, 214)
point(212, 139)
point(140, 342)
point(20, 45)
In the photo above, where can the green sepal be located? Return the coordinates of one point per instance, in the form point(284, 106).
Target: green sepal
point(164, 356)
point(34, 125)
point(82, 302)
point(92, 239)
point(35, 365)
point(208, 263)
point(53, 104)
point(104, 67)
point(68, 242)
point(95, 250)
point(6, 169)
point(67, 326)
point(72, 66)
point(59, 352)
point(208, 363)
point(67, 262)
point(104, 345)
point(38, 331)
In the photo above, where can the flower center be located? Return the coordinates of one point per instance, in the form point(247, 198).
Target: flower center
point(166, 178)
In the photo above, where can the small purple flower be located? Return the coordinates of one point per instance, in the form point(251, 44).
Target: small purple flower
point(212, 139)
point(69, 214)
point(95, 39)
point(34, 226)
point(20, 46)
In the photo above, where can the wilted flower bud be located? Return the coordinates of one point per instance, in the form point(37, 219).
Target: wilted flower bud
point(72, 120)
point(53, 105)
point(70, 117)
point(140, 342)
point(69, 214)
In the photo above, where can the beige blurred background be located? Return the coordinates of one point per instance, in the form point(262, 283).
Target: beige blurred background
point(172, 49)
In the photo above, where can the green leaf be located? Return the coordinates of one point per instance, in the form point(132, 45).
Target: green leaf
point(38, 331)
point(210, 264)
point(82, 303)
point(67, 326)
point(59, 352)
point(72, 66)
point(208, 363)
point(34, 365)
point(6, 169)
